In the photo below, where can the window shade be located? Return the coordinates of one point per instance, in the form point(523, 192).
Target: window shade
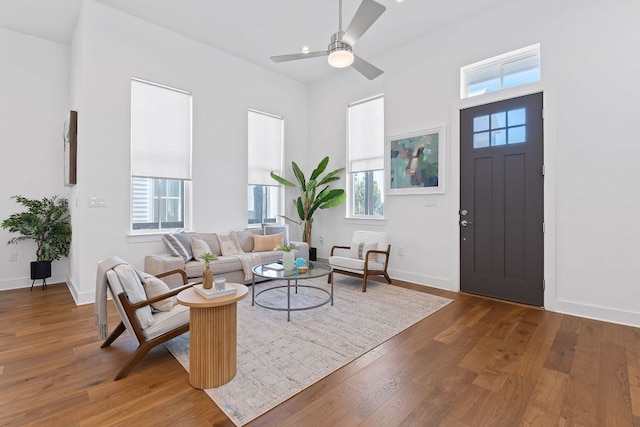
point(265, 137)
point(160, 131)
point(366, 135)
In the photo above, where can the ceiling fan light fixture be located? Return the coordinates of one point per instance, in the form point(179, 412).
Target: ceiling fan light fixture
point(340, 58)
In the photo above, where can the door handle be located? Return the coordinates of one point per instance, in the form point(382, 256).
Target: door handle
point(465, 223)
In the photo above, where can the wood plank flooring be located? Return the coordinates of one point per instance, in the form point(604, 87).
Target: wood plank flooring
point(477, 362)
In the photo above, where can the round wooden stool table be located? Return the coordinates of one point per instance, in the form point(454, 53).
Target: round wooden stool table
point(212, 336)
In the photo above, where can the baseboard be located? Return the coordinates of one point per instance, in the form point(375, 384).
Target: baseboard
point(25, 282)
point(604, 314)
point(421, 279)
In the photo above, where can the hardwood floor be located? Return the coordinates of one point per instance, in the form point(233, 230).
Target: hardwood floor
point(477, 362)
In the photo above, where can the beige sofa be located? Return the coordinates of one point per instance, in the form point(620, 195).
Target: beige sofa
point(229, 267)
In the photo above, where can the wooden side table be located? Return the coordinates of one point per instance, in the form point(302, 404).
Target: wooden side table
point(212, 337)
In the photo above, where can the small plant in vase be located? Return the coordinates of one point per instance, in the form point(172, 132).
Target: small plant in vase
point(207, 274)
point(288, 257)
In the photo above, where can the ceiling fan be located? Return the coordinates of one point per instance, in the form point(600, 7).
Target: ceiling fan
point(340, 50)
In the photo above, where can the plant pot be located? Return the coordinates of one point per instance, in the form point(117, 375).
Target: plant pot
point(312, 254)
point(40, 269)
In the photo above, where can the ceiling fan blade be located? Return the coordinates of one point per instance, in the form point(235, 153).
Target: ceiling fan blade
point(368, 70)
point(368, 12)
point(296, 56)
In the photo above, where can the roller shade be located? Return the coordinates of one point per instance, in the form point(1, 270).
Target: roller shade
point(160, 131)
point(265, 139)
point(366, 135)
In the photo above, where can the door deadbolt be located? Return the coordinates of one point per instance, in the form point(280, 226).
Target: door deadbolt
point(463, 212)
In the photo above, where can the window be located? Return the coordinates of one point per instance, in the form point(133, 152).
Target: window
point(160, 156)
point(508, 70)
point(501, 128)
point(265, 142)
point(365, 122)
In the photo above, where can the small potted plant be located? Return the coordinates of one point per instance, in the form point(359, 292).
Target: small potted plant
point(207, 274)
point(48, 223)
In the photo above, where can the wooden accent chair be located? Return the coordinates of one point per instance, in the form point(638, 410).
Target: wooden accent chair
point(148, 328)
point(368, 255)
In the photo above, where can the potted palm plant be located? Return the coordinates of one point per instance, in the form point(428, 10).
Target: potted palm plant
point(48, 223)
point(314, 194)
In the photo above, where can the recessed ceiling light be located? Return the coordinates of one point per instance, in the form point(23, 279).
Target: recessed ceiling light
point(305, 49)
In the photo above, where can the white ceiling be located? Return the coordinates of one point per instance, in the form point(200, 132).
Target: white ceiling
point(255, 29)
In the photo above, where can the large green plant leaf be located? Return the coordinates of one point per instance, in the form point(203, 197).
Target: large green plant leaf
point(321, 167)
point(299, 175)
point(282, 180)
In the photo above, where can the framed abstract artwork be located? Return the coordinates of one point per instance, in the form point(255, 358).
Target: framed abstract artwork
point(415, 162)
point(70, 137)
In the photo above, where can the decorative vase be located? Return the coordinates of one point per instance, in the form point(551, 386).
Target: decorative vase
point(288, 259)
point(207, 278)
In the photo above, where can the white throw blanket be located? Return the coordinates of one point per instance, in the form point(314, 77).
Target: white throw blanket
point(100, 308)
point(249, 261)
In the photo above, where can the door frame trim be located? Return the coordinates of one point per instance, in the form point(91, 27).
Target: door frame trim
point(549, 159)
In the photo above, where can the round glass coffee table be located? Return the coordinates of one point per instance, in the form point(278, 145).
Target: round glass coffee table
point(315, 269)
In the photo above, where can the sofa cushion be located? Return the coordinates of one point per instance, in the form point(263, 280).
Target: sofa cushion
point(211, 240)
point(178, 244)
point(132, 287)
point(245, 239)
point(267, 243)
point(199, 247)
point(154, 287)
point(229, 244)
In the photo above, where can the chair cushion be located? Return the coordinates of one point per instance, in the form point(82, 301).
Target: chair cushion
point(154, 287)
point(380, 237)
point(353, 264)
point(165, 321)
point(199, 247)
point(178, 244)
point(358, 250)
point(132, 286)
point(267, 243)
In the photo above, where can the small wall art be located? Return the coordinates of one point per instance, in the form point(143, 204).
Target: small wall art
point(70, 137)
point(415, 162)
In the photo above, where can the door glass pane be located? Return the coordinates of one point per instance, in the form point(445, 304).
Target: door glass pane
point(498, 137)
point(480, 123)
point(498, 120)
point(517, 117)
point(517, 134)
point(481, 140)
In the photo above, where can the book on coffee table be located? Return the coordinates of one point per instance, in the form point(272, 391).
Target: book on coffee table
point(274, 266)
point(229, 289)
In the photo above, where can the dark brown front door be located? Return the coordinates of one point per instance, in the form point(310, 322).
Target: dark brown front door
point(501, 200)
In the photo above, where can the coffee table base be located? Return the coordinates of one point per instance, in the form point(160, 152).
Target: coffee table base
point(288, 308)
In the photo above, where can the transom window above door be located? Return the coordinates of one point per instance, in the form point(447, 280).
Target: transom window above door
point(502, 128)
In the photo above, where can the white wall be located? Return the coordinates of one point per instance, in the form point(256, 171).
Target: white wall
point(591, 95)
point(34, 101)
point(115, 47)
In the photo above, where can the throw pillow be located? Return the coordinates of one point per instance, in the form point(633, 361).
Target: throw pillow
point(132, 286)
point(179, 244)
point(277, 229)
point(154, 287)
point(267, 243)
point(199, 247)
point(229, 245)
point(359, 250)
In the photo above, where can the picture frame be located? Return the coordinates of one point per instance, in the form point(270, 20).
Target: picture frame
point(415, 162)
point(70, 137)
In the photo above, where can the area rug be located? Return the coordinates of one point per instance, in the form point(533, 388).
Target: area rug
point(278, 359)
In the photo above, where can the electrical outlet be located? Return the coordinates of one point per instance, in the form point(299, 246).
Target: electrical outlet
point(13, 257)
point(400, 250)
point(96, 202)
point(321, 240)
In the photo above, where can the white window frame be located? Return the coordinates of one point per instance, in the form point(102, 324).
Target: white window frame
point(350, 172)
point(501, 61)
